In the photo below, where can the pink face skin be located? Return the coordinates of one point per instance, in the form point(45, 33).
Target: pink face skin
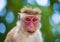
point(31, 23)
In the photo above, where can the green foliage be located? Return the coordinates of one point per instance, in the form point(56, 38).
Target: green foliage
point(16, 5)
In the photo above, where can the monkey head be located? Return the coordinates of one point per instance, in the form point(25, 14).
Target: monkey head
point(30, 19)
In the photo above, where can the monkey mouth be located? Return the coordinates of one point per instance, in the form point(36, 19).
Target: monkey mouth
point(30, 31)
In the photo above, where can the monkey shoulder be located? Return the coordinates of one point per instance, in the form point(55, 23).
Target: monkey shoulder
point(12, 31)
point(10, 35)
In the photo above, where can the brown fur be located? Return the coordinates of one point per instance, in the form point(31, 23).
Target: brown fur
point(33, 11)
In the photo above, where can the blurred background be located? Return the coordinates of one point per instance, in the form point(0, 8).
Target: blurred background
point(50, 17)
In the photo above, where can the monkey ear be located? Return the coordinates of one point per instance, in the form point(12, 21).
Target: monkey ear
point(18, 16)
point(21, 16)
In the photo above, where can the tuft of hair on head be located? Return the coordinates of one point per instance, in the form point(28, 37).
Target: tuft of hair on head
point(31, 11)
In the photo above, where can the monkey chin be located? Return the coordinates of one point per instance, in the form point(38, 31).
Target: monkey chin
point(31, 32)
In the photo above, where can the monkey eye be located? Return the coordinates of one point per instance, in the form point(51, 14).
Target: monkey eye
point(28, 19)
point(34, 19)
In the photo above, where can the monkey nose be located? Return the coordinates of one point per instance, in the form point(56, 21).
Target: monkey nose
point(31, 26)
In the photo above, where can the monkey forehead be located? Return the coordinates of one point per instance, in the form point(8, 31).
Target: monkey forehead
point(22, 15)
point(31, 16)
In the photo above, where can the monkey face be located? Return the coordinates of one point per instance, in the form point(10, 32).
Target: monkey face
point(31, 23)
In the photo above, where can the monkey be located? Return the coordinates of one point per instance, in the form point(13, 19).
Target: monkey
point(27, 28)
